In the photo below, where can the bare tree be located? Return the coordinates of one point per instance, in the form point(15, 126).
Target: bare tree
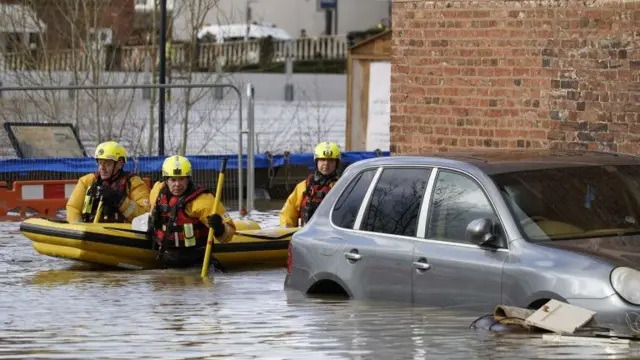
point(299, 125)
point(71, 53)
point(196, 122)
point(192, 116)
point(202, 118)
point(70, 49)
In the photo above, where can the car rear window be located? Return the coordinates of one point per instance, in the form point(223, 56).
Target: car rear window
point(574, 202)
point(346, 208)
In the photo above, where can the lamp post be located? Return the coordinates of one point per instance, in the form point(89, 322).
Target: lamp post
point(248, 16)
point(162, 74)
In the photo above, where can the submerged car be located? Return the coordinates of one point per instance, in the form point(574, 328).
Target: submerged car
point(477, 229)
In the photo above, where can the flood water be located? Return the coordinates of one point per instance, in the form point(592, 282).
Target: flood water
point(56, 309)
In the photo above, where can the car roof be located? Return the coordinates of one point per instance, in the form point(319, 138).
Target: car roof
point(512, 160)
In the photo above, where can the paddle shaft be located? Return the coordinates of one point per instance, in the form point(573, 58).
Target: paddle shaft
point(96, 219)
point(207, 251)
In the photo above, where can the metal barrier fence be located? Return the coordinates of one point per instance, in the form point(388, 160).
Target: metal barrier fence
point(199, 120)
point(37, 187)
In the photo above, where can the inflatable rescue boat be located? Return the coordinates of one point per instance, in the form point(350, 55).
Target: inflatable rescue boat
point(121, 246)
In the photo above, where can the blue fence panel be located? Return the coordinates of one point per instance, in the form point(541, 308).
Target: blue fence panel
point(154, 163)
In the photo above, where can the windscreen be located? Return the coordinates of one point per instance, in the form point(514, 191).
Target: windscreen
point(574, 202)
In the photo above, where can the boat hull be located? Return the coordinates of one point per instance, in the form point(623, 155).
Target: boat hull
point(119, 246)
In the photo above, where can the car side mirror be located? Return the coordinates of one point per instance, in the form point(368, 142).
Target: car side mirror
point(480, 232)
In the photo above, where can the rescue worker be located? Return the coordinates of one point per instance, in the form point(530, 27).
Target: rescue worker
point(182, 214)
point(124, 195)
point(309, 193)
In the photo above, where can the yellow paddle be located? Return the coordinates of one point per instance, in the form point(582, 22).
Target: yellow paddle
point(207, 252)
point(98, 213)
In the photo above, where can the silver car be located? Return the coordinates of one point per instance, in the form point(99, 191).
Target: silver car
point(474, 230)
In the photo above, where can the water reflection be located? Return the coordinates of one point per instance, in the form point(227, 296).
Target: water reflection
point(52, 308)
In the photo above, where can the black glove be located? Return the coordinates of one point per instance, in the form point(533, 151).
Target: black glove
point(154, 222)
point(215, 222)
point(155, 219)
point(111, 197)
point(151, 229)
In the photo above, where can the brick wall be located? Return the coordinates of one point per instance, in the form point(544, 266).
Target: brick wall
point(515, 74)
point(59, 16)
point(119, 15)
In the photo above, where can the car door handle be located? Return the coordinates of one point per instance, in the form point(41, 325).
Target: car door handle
point(422, 264)
point(353, 255)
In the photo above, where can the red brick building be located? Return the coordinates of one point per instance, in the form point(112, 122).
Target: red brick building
point(59, 16)
point(515, 74)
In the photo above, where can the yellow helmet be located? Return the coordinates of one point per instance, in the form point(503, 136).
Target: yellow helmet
point(110, 150)
point(326, 150)
point(176, 166)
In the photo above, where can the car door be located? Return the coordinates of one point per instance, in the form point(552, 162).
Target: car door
point(378, 254)
point(447, 270)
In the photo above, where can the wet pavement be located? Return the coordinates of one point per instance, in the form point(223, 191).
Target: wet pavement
point(57, 309)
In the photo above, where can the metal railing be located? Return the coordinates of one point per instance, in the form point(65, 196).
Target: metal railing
point(21, 106)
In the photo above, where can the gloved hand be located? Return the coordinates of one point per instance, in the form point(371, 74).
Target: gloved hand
point(110, 196)
point(155, 218)
point(151, 229)
point(215, 222)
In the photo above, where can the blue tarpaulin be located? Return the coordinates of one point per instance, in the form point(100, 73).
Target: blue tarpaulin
point(154, 163)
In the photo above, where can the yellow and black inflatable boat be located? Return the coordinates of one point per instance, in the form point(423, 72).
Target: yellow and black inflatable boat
point(120, 246)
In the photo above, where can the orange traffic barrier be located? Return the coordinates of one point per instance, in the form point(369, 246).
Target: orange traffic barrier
point(41, 198)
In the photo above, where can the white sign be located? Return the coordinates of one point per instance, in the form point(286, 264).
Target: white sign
point(379, 107)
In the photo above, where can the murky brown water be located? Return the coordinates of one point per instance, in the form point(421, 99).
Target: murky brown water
point(53, 309)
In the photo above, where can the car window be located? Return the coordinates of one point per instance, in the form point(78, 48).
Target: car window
point(573, 202)
point(346, 208)
point(395, 202)
point(456, 201)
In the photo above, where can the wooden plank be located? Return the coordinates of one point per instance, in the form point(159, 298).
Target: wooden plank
point(381, 57)
point(364, 98)
point(377, 44)
point(348, 128)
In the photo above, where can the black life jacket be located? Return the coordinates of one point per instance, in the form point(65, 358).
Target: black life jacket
point(121, 183)
point(314, 194)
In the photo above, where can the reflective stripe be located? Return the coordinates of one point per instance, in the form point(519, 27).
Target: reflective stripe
point(87, 205)
point(57, 190)
point(130, 208)
point(68, 190)
point(189, 237)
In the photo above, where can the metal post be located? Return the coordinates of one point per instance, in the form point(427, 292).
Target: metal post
point(251, 125)
point(72, 94)
point(335, 18)
point(288, 68)
point(218, 93)
point(148, 71)
point(247, 17)
point(240, 182)
point(162, 74)
point(240, 190)
point(327, 22)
